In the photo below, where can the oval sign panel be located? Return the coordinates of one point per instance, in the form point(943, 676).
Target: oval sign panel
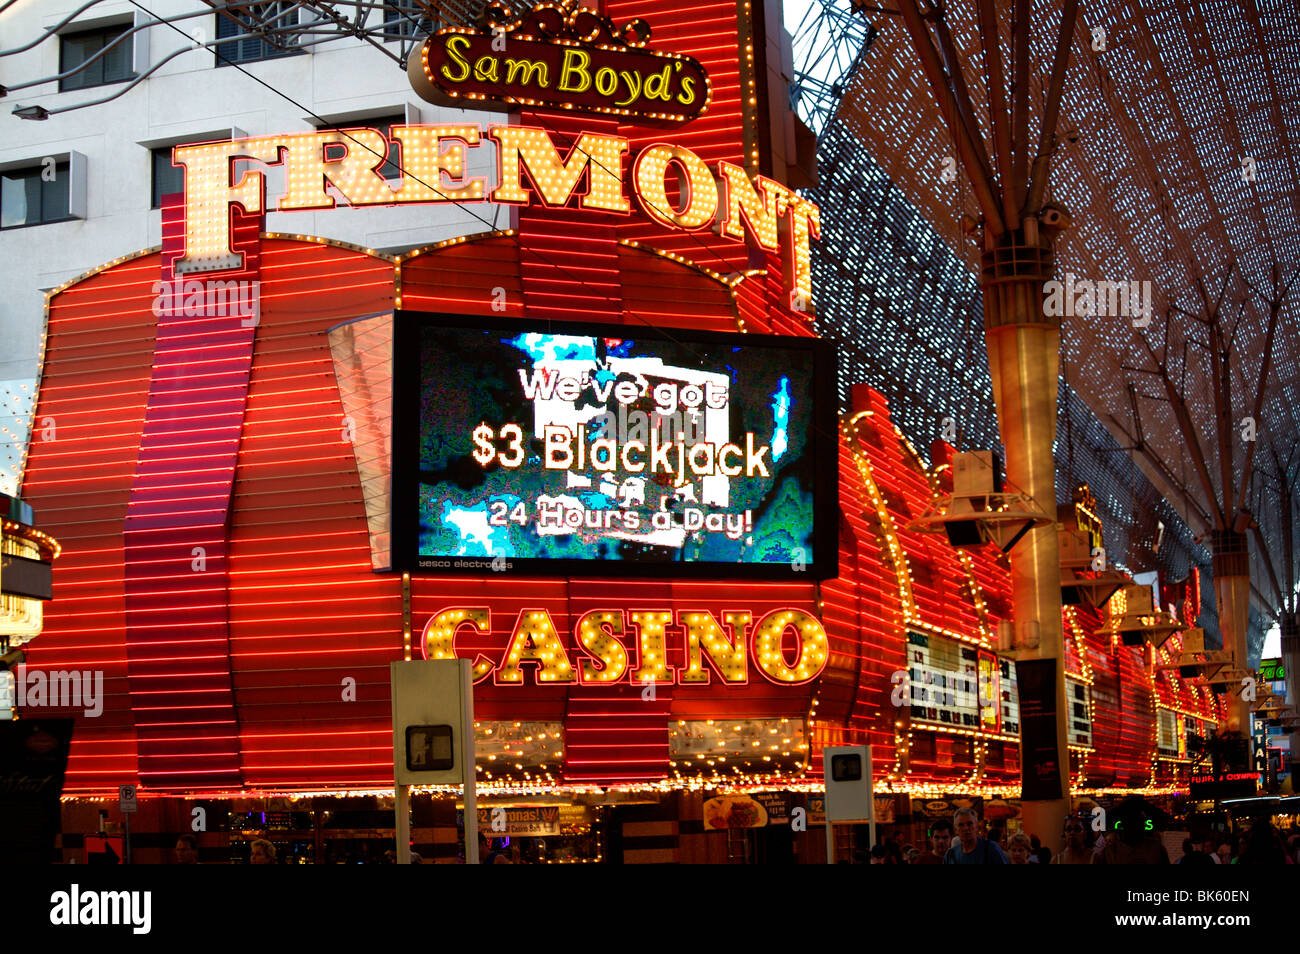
point(562, 57)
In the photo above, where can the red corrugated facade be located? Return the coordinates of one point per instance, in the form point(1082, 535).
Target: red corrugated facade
point(216, 560)
point(305, 612)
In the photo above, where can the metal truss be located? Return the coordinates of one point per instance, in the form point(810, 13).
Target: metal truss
point(1177, 158)
point(829, 42)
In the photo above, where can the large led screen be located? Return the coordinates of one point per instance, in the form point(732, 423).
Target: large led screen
point(575, 449)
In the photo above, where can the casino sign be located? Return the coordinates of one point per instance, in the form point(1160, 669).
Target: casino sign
point(555, 57)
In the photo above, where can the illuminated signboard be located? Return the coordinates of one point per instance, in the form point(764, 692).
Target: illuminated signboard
point(324, 169)
point(990, 707)
point(560, 58)
point(1076, 697)
point(962, 686)
point(943, 680)
point(555, 448)
point(1208, 786)
point(788, 646)
point(535, 821)
point(1010, 697)
point(1169, 739)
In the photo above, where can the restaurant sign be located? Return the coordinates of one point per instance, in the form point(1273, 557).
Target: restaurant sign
point(560, 57)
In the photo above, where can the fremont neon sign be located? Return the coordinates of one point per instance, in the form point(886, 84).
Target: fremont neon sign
point(323, 167)
point(618, 645)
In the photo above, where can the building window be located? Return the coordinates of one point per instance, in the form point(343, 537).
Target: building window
point(35, 195)
point(167, 178)
point(1076, 695)
point(406, 18)
point(243, 48)
point(389, 170)
point(79, 49)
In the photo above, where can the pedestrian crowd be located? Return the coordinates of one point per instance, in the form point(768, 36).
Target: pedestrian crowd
point(1132, 840)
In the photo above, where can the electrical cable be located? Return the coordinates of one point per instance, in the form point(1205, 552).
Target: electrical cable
point(490, 225)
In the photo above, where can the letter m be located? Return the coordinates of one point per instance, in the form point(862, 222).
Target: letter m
point(1112, 299)
point(524, 148)
point(526, 71)
point(65, 688)
point(224, 296)
point(119, 903)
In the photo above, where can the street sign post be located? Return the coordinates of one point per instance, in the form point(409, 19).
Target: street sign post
point(846, 770)
point(126, 803)
point(433, 739)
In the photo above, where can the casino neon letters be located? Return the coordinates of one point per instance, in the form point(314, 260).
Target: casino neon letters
point(632, 645)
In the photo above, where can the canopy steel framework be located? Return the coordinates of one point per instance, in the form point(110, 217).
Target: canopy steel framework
point(1176, 159)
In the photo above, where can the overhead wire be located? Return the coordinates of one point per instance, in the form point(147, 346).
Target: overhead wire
point(831, 438)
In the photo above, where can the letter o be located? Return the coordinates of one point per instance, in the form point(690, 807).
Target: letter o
point(649, 176)
point(605, 71)
point(813, 646)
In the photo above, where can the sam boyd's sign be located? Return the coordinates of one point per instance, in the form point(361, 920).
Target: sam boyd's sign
point(561, 56)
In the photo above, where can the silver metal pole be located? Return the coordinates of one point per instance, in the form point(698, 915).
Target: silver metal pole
point(467, 747)
point(402, 809)
point(871, 797)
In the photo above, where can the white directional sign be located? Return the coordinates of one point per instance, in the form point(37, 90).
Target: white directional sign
point(848, 783)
